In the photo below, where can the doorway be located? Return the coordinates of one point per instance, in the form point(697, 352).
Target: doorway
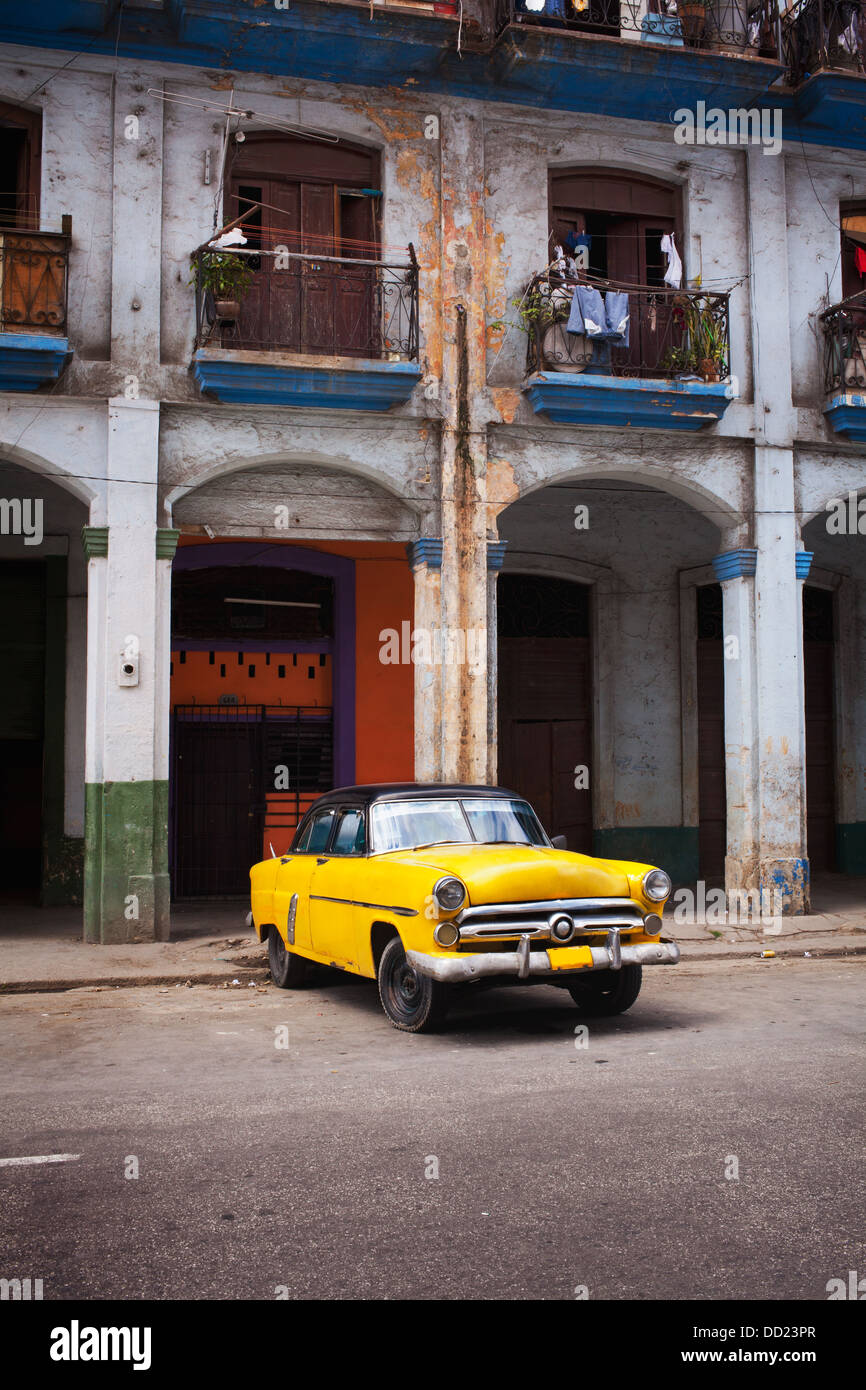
point(320, 202)
point(820, 695)
point(22, 724)
point(545, 701)
point(712, 797)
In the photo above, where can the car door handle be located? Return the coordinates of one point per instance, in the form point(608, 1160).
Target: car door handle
point(285, 859)
point(322, 861)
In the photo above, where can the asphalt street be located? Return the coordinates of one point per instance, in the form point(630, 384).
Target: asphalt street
point(309, 1170)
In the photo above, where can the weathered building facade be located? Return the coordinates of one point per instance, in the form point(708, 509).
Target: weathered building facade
point(360, 513)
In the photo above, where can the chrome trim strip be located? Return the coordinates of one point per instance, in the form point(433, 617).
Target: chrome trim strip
point(378, 907)
point(549, 905)
point(293, 912)
point(462, 969)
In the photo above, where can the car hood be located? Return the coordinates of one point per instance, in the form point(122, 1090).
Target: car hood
point(519, 873)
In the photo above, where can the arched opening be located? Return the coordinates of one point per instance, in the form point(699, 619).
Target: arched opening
point(834, 662)
point(318, 203)
point(607, 707)
point(43, 621)
point(287, 581)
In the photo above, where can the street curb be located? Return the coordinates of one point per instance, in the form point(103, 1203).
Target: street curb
point(753, 952)
point(243, 975)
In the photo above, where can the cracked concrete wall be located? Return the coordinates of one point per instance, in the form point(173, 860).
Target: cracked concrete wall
point(466, 182)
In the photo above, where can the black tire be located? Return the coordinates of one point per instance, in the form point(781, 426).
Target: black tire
point(607, 992)
point(414, 1003)
point(288, 971)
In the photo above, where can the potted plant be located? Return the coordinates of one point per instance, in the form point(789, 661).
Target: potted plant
point(224, 276)
point(704, 349)
point(692, 16)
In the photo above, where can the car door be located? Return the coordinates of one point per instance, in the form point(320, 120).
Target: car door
point(337, 887)
point(292, 891)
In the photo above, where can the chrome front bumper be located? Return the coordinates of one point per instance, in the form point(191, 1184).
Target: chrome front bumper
point(524, 963)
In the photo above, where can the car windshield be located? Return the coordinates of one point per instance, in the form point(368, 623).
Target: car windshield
point(421, 822)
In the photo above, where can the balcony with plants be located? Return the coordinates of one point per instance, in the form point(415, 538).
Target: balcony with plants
point(281, 327)
point(824, 48)
point(667, 368)
point(34, 275)
point(844, 332)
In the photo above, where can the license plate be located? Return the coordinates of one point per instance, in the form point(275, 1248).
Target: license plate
point(570, 957)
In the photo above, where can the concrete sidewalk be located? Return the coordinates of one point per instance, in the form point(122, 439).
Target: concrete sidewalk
point(41, 949)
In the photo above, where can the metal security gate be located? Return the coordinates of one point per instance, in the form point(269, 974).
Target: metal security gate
point(241, 774)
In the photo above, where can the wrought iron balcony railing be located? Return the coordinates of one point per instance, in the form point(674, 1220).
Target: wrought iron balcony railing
point(671, 333)
point(733, 26)
point(844, 328)
point(821, 34)
point(277, 300)
point(34, 280)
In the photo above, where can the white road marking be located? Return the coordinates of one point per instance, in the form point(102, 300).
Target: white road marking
point(40, 1158)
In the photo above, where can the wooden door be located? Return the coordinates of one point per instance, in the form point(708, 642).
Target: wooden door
point(317, 200)
point(22, 701)
point(635, 257)
point(712, 797)
point(218, 804)
point(545, 694)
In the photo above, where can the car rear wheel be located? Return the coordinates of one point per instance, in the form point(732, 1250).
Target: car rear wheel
point(288, 971)
point(413, 1002)
point(607, 991)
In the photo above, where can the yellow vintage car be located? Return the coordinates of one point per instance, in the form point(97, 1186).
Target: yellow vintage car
point(426, 887)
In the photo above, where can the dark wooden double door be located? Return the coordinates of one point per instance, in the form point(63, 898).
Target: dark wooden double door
point(319, 202)
point(545, 698)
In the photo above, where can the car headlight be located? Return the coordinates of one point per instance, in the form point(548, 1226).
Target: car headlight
point(449, 894)
point(656, 885)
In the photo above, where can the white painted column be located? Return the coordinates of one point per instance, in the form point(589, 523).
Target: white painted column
point(136, 272)
point(425, 558)
point(126, 869)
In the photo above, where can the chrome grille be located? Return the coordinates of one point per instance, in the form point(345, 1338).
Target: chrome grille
point(533, 919)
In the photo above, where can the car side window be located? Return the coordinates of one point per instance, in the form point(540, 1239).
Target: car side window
point(349, 837)
point(316, 835)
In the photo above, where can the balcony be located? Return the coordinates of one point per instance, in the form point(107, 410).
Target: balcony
point(34, 348)
point(291, 328)
point(638, 59)
point(844, 329)
point(672, 373)
point(824, 45)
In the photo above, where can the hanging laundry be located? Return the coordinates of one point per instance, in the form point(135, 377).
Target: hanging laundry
point(534, 6)
point(674, 273)
point(601, 319)
point(860, 260)
point(587, 313)
point(616, 314)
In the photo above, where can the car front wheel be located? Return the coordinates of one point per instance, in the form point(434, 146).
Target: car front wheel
point(607, 992)
point(288, 971)
point(413, 1002)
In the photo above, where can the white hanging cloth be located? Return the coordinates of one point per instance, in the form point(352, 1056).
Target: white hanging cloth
point(674, 272)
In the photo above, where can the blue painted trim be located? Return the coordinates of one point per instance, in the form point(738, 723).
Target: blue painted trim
point(496, 554)
point(367, 385)
point(569, 398)
point(846, 414)
point(803, 563)
point(427, 551)
point(31, 360)
point(735, 564)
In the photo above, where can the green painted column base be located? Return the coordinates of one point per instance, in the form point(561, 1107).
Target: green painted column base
point(673, 848)
point(851, 848)
point(126, 884)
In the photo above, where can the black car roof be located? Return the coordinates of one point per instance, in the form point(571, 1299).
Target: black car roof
point(378, 791)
